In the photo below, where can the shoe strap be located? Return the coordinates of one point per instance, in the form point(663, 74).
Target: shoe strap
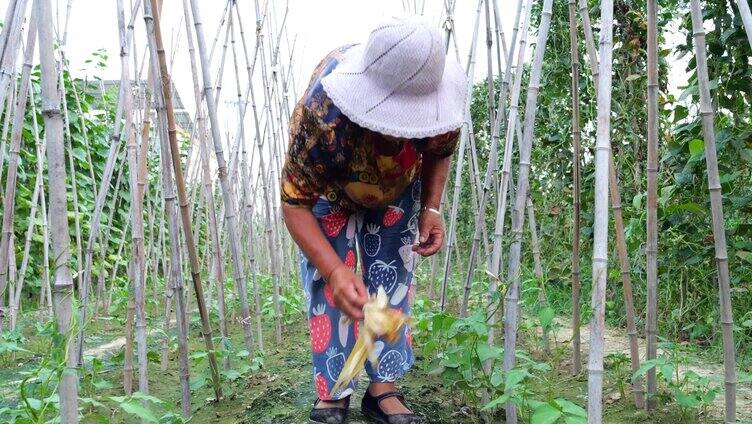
point(388, 395)
point(347, 403)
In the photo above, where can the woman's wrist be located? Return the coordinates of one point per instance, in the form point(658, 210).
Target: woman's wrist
point(431, 209)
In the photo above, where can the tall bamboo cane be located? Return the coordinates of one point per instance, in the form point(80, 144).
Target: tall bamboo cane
point(501, 204)
point(164, 98)
point(512, 123)
point(746, 16)
point(7, 24)
point(576, 188)
point(15, 144)
point(262, 163)
point(227, 195)
point(9, 43)
point(136, 211)
point(13, 157)
point(272, 232)
point(464, 134)
point(518, 217)
point(651, 322)
point(219, 266)
point(716, 205)
point(53, 120)
point(621, 244)
point(73, 177)
point(46, 296)
point(600, 226)
point(4, 139)
point(104, 184)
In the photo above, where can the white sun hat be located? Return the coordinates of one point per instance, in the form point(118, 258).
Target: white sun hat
point(400, 82)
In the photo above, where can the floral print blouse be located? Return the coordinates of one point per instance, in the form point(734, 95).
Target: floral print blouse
point(331, 157)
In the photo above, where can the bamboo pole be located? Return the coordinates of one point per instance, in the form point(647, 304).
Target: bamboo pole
point(746, 16)
point(228, 198)
point(73, 177)
point(219, 266)
point(104, 184)
point(272, 237)
point(600, 226)
point(512, 122)
point(538, 267)
point(41, 152)
point(130, 312)
point(621, 244)
point(489, 67)
point(13, 157)
point(16, 137)
point(576, 188)
point(68, 390)
point(518, 217)
point(12, 275)
point(651, 322)
point(7, 24)
point(464, 134)
point(262, 164)
point(244, 183)
point(4, 140)
point(136, 211)
point(10, 42)
point(501, 206)
point(716, 204)
point(164, 100)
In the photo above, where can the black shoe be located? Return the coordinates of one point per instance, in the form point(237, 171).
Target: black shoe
point(333, 415)
point(371, 409)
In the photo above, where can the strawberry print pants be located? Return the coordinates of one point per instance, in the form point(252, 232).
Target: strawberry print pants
point(381, 239)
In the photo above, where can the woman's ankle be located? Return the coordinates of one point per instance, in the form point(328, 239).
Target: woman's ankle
point(332, 403)
point(379, 388)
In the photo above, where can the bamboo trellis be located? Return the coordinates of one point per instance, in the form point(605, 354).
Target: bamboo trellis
point(716, 208)
point(250, 196)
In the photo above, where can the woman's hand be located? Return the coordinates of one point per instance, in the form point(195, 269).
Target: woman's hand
point(349, 292)
point(430, 233)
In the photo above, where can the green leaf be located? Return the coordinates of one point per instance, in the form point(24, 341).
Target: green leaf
point(133, 406)
point(647, 366)
point(546, 414)
point(486, 352)
point(514, 377)
point(571, 408)
point(667, 371)
point(93, 402)
point(497, 377)
point(231, 375)
point(199, 354)
point(696, 147)
point(103, 384)
point(143, 396)
point(496, 402)
point(685, 400)
point(546, 317)
point(197, 383)
point(569, 419)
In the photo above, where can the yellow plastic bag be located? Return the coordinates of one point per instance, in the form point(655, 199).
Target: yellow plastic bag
point(379, 321)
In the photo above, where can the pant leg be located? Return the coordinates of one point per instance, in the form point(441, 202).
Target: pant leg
point(386, 241)
point(332, 334)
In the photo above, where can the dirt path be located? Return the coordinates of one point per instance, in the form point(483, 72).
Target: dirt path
point(618, 342)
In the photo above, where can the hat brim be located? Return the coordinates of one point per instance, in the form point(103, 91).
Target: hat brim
point(394, 112)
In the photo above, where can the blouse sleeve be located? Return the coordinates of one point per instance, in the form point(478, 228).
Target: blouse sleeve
point(302, 174)
point(443, 145)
